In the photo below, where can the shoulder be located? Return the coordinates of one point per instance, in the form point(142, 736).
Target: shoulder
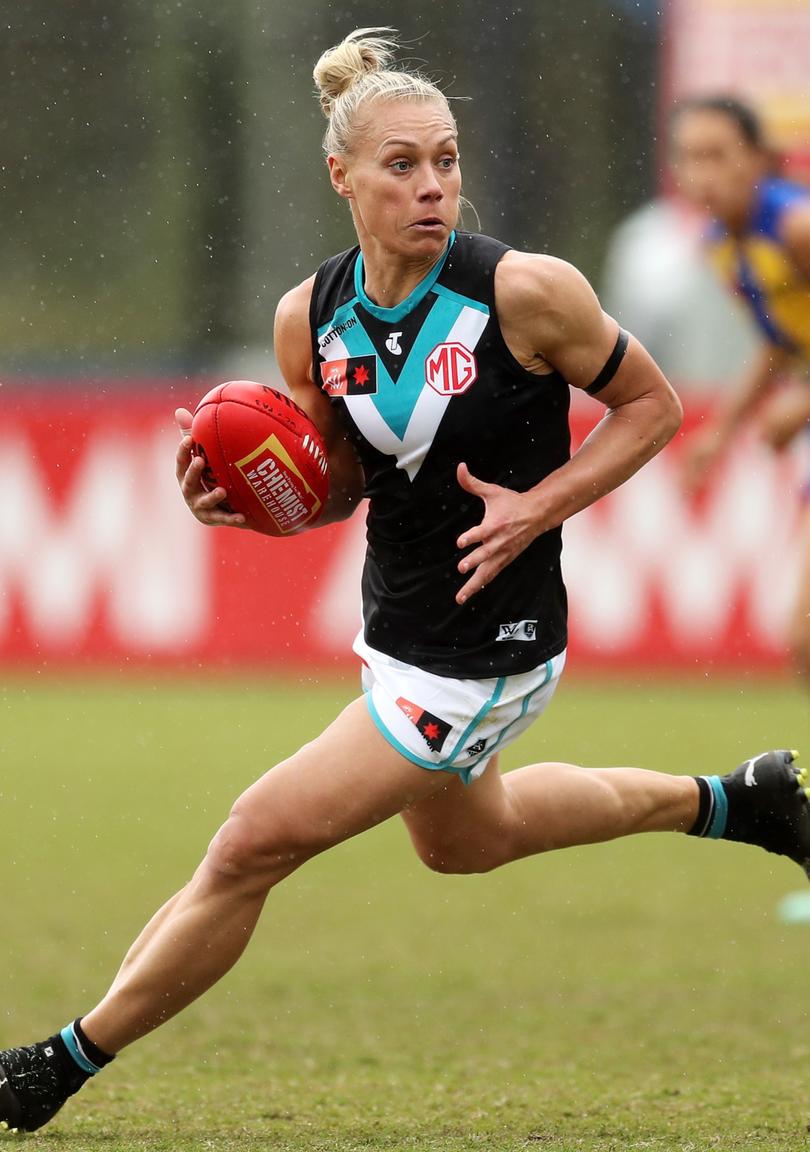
point(551, 318)
point(294, 304)
point(292, 314)
point(291, 334)
point(534, 285)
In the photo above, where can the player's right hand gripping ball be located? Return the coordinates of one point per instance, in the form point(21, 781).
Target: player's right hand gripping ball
point(265, 452)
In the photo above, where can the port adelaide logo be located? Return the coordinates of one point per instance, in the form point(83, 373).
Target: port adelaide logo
point(434, 730)
point(354, 376)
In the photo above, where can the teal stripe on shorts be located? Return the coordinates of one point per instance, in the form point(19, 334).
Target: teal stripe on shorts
point(492, 749)
point(446, 764)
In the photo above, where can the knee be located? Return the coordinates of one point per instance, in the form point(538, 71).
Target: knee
point(242, 850)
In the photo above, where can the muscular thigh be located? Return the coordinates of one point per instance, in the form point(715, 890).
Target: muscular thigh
point(344, 781)
point(475, 817)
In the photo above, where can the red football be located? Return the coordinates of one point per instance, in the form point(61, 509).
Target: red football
point(265, 452)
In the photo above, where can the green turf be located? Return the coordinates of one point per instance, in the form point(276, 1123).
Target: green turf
point(638, 995)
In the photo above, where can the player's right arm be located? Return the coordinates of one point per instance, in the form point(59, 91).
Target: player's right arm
point(293, 347)
point(707, 445)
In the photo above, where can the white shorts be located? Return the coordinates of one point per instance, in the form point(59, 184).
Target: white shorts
point(452, 725)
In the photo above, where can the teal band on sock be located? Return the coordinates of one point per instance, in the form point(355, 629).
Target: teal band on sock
point(74, 1048)
point(717, 827)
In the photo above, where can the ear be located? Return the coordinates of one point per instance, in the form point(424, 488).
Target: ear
point(339, 176)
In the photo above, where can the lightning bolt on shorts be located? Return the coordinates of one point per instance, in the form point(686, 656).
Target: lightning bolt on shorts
point(452, 725)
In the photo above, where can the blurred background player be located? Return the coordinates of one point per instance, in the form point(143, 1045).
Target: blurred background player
point(759, 243)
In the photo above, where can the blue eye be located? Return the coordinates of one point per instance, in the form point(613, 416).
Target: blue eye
point(400, 165)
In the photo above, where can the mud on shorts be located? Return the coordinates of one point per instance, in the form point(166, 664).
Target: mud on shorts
point(452, 725)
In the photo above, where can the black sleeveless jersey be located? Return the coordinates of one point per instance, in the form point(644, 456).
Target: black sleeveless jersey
point(421, 387)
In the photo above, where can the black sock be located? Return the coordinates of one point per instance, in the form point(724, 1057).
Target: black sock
point(99, 1058)
point(705, 804)
point(80, 1058)
point(713, 808)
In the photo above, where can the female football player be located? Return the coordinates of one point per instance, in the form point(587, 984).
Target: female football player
point(437, 365)
point(759, 241)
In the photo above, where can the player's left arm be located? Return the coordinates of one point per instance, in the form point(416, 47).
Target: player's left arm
point(560, 319)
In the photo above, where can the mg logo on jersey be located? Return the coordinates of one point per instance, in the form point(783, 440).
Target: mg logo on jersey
point(450, 369)
point(519, 630)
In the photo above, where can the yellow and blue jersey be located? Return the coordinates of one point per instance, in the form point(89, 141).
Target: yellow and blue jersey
point(758, 268)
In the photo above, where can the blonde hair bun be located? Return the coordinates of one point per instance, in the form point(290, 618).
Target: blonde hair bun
point(361, 69)
point(363, 51)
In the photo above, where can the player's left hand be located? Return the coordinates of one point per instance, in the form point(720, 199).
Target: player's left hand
point(508, 526)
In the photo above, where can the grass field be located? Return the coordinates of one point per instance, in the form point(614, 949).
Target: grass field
point(637, 995)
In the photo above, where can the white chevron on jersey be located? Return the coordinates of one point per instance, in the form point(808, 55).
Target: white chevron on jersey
point(428, 411)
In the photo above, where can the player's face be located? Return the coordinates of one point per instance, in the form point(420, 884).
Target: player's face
point(716, 167)
point(402, 176)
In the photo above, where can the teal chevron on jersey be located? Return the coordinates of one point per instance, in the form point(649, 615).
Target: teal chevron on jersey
point(396, 401)
point(440, 290)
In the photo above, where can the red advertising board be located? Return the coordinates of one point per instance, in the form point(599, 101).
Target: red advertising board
point(102, 564)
